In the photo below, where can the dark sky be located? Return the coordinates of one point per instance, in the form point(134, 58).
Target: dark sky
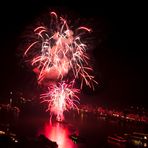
point(120, 55)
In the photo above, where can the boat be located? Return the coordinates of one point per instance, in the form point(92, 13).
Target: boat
point(117, 138)
point(138, 139)
point(76, 138)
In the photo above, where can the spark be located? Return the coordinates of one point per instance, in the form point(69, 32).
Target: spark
point(58, 51)
point(61, 97)
point(61, 51)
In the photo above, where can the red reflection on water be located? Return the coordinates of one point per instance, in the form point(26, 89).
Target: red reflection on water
point(59, 133)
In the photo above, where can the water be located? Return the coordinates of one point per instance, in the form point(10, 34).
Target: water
point(60, 133)
point(92, 128)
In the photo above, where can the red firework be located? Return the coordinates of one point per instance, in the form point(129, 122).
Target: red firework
point(61, 97)
point(57, 51)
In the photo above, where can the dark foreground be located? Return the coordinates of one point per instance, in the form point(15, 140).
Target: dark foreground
point(77, 131)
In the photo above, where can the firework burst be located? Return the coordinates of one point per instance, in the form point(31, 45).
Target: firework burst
point(61, 97)
point(58, 51)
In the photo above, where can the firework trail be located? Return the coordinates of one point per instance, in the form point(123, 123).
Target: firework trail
point(57, 52)
point(61, 97)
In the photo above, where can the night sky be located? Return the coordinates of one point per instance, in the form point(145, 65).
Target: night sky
point(120, 58)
